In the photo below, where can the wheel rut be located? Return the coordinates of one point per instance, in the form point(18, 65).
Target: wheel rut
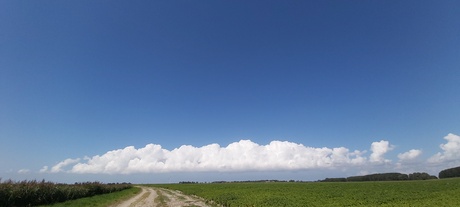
point(160, 197)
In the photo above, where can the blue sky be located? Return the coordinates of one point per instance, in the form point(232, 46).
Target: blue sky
point(81, 79)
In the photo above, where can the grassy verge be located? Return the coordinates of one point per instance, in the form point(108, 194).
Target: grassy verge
point(100, 200)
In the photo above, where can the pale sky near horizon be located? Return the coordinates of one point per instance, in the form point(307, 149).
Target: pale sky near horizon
point(161, 91)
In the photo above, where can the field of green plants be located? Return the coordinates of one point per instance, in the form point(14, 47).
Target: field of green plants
point(442, 192)
point(33, 193)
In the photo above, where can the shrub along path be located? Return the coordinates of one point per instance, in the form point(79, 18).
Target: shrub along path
point(33, 193)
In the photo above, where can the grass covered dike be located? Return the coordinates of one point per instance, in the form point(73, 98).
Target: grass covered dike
point(442, 192)
point(33, 193)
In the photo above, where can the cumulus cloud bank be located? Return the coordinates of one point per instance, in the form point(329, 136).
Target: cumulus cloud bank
point(244, 155)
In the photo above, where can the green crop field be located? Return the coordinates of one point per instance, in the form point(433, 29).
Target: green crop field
point(443, 192)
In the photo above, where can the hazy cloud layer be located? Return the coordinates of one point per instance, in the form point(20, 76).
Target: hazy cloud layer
point(59, 167)
point(244, 155)
point(23, 171)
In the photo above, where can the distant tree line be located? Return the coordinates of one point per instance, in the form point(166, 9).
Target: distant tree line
point(450, 173)
point(421, 176)
point(254, 181)
point(188, 182)
point(244, 181)
point(383, 177)
point(447, 173)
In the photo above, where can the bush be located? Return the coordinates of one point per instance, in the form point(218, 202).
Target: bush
point(450, 173)
point(334, 180)
point(379, 177)
point(421, 176)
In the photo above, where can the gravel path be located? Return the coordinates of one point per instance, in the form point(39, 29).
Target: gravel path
point(159, 197)
point(145, 198)
point(177, 198)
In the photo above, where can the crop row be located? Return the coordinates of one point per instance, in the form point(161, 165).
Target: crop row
point(32, 193)
point(439, 192)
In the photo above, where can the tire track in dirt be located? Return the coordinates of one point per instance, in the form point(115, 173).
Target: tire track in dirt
point(145, 198)
point(160, 197)
point(177, 198)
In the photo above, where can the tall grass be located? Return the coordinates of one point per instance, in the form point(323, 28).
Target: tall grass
point(104, 200)
point(32, 192)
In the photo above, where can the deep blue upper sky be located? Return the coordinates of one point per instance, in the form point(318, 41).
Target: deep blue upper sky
point(82, 78)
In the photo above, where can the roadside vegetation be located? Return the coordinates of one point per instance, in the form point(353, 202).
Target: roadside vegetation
point(33, 193)
point(104, 200)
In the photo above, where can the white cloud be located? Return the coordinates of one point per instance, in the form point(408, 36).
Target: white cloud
point(379, 149)
point(451, 150)
point(409, 155)
point(44, 169)
point(244, 155)
point(59, 167)
point(23, 171)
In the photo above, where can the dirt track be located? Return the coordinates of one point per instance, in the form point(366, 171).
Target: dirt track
point(158, 197)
